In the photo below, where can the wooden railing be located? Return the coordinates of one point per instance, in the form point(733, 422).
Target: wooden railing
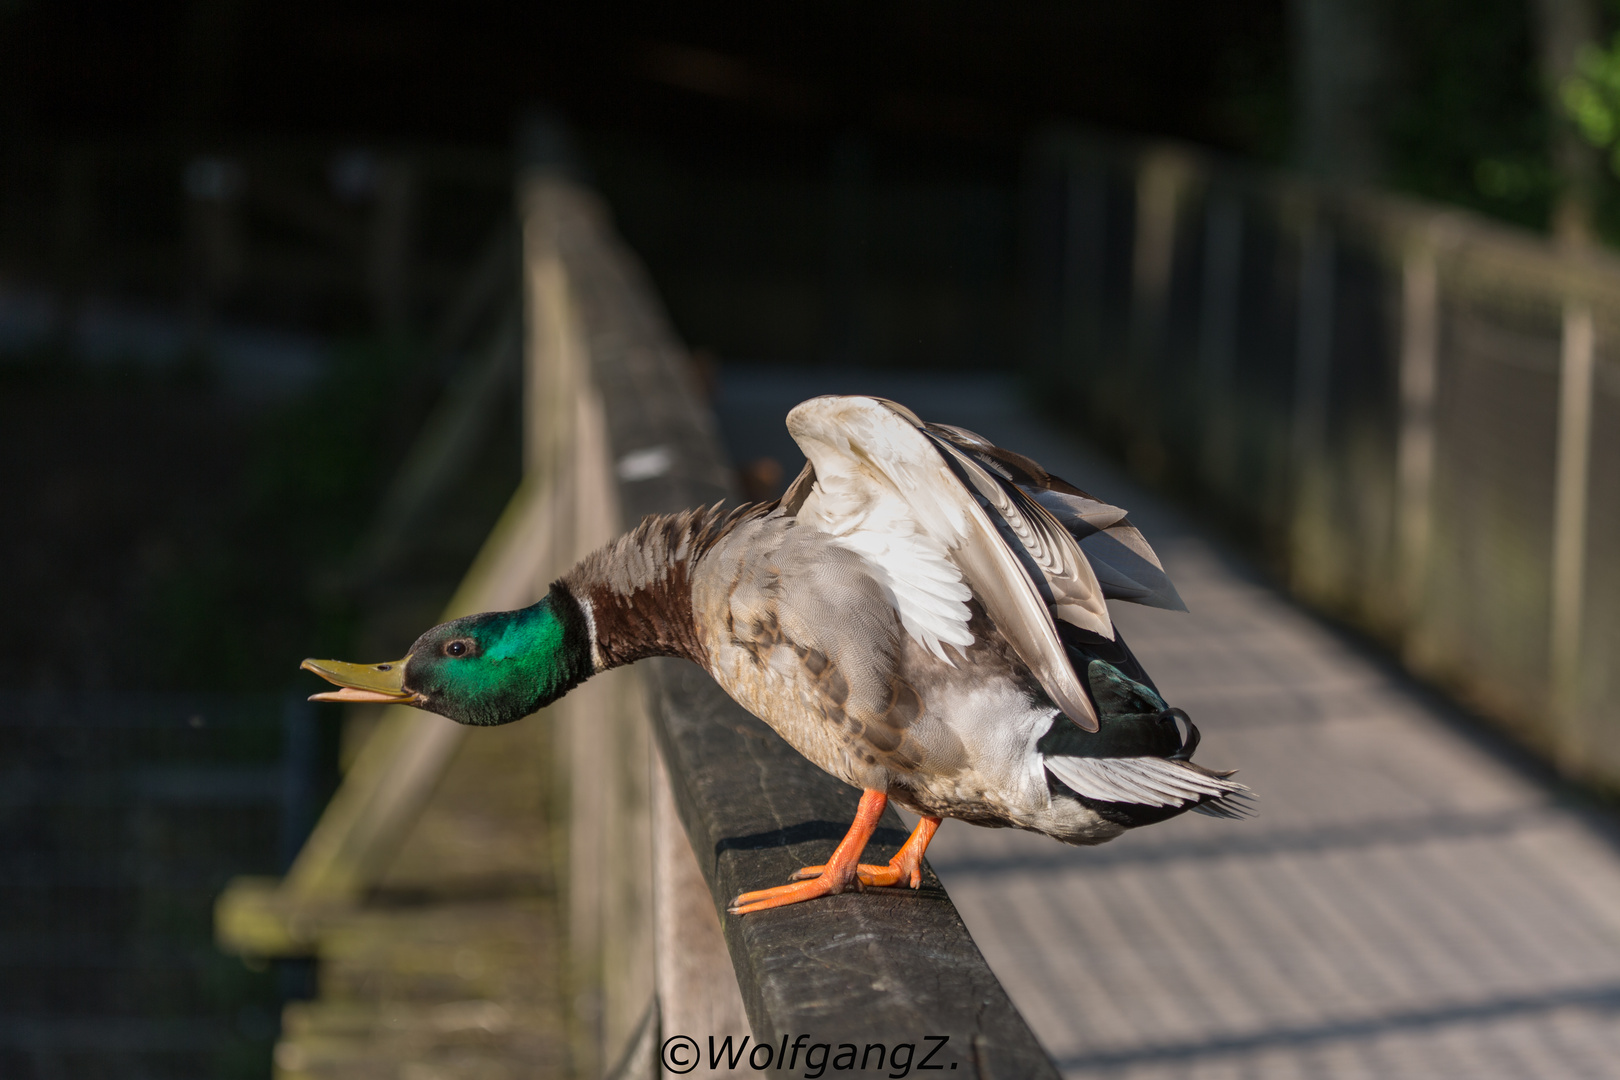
point(1413, 411)
point(676, 799)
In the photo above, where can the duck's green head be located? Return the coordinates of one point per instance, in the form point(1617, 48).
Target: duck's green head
point(484, 669)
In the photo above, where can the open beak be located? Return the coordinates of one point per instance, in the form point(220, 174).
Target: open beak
point(380, 684)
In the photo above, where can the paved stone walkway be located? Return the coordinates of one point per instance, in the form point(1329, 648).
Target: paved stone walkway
point(1407, 904)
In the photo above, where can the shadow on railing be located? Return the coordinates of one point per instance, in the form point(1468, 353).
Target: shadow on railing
point(1412, 410)
point(675, 798)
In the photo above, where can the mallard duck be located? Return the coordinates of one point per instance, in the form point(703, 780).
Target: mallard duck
point(921, 615)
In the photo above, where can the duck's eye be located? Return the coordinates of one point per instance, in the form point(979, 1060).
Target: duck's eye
point(457, 648)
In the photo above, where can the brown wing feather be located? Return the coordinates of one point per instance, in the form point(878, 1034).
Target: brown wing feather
point(1125, 564)
point(799, 490)
point(1072, 589)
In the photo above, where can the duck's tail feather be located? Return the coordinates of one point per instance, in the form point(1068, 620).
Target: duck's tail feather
point(1236, 804)
point(1145, 781)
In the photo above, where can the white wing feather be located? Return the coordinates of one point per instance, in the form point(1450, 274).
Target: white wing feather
point(884, 490)
point(1145, 781)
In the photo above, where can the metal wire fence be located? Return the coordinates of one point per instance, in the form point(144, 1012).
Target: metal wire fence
point(121, 817)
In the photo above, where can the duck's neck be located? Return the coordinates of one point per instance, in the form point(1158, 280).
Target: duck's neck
point(636, 592)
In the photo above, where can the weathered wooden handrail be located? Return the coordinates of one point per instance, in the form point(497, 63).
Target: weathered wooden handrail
point(678, 799)
point(860, 969)
point(856, 969)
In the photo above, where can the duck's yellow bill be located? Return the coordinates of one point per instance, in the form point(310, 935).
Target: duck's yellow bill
point(378, 684)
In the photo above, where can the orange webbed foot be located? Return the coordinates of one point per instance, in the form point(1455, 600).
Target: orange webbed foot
point(876, 877)
point(783, 895)
point(837, 875)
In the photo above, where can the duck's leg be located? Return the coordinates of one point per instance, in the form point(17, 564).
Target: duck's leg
point(904, 868)
point(835, 876)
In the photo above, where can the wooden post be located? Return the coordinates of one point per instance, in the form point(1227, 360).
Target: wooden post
point(697, 987)
point(602, 740)
point(1569, 531)
point(1160, 181)
point(1415, 449)
point(555, 348)
point(1159, 184)
point(1308, 515)
point(1343, 82)
point(1562, 31)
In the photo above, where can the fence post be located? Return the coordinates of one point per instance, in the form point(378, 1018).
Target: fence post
point(1160, 180)
point(697, 987)
point(1415, 449)
point(1309, 514)
point(1569, 530)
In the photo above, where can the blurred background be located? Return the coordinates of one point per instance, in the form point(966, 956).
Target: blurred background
point(252, 254)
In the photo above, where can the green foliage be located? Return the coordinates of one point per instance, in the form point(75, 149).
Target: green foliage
point(1591, 98)
point(1471, 126)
